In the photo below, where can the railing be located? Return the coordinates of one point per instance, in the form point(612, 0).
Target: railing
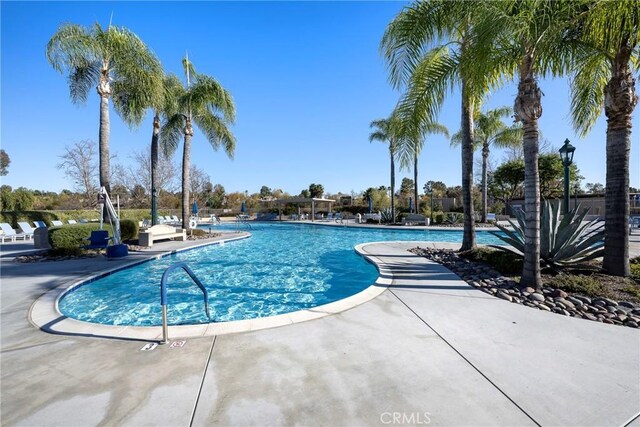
point(242, 220)
point(163, 296)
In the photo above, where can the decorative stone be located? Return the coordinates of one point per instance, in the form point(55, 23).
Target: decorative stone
point(559, 293)
point(537, 297)
point(610, 301)
point(544, 307)
point(585, 300)
point(504, 295)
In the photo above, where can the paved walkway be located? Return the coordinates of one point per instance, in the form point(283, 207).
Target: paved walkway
point(429, 350)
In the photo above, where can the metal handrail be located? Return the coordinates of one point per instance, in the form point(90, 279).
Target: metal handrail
point(163, 296)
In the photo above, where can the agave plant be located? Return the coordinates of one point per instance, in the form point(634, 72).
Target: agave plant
point(563, 240)
point(388, 217)
point(453, 219)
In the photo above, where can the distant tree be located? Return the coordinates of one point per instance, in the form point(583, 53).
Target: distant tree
point(594, 188)
point(316, 190)
point(305, 193)
point(439, 188)
point(4, 163)
point(79, 165)
point(20, 199)
point(216, 199)
point(406, 190)
point(265, 192)
point(507, 181)
point(199, 182)
point(551, 172)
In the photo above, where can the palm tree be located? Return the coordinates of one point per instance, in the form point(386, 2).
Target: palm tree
point(410, 145)
point(530, 37)
point(116, 62)
point(428, 48)
point(604, 79)
point(386, 130)
point(491, 130)
point(206, 104)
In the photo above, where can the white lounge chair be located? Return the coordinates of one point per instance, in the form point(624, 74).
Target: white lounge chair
point(72, 221)
point(26, 230)
point(175, 219)
point(8, 233)
point(56, 223)
point(40, 224)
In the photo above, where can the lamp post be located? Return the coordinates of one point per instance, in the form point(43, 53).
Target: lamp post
point(566, 154)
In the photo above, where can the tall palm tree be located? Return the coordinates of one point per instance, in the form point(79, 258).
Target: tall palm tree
point(604, 79)
point(386, 130)
point(429, 48)
point(116, 62)
point(531, 37)
point(491, 130)
point(410, 145)
point(206, 104)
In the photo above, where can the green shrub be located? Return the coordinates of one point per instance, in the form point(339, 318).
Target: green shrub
point(581, 284)
point(68, 239)
point(198, 232)
point(438, 217)
point(453, 218)
point(635, 269)
point(128, 229)
point(505, 262)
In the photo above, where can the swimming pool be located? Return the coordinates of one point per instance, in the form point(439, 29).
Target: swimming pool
point(280, 269)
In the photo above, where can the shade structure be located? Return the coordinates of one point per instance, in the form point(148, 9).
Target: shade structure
point(243, 208)
point(370, 205)
point(194, 208)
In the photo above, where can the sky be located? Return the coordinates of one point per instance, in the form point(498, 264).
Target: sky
point(306, 77)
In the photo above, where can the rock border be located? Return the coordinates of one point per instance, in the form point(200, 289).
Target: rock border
point(483, 277)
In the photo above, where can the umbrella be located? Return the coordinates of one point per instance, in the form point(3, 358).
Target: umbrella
point(410, 204)
point(194, 209)
point(243, 208)
point(370, 205)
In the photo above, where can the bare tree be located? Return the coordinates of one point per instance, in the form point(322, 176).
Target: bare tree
point(139, 173)
point(79, 165)
point(199, 182)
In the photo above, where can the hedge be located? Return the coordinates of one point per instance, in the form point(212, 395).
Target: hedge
point(128, 229)
point(66, 240)
point(13, 217)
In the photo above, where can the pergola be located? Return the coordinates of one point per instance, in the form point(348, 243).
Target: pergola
point(304, 200)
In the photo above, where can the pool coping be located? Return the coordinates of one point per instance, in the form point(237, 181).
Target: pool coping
point(45, 314)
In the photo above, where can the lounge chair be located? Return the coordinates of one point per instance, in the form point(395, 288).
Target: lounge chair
point(72, 221)
point(329, 216)
point(99, 239)
point(83, 221)
point(8, 233)
point(56, 223)
point(40, 224)
point(491, 217)
point(175, 219)
point(26, 230)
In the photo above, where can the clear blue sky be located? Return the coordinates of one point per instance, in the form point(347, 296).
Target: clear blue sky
point(306, 77)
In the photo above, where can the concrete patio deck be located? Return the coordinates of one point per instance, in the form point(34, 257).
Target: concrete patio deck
point(428, 350)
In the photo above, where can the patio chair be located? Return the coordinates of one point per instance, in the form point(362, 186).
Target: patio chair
point(7, 232)
point(56, 223)
point(99, 239)
point(40, 224)
point(72, 221)
point(26, 230)
point(175, 219)
point(329, 216)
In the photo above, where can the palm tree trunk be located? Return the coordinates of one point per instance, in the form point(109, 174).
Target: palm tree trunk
point(393, 182)
point(485, 160)
point(469, 233)
point(104, 90)
point(416, 201)
point(186, 165)
point(528, 109)
point(620, 100)
point(154, 168)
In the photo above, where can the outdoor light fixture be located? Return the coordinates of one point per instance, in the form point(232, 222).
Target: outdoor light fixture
point(566, 154)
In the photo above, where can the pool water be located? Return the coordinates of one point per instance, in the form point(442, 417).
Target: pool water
point(280, 269)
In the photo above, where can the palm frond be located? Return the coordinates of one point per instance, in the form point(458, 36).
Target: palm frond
point(81, 80)
point(217, 132)
point(71, 46)
point(208, 95)
point(171, 133)
point(587, 91)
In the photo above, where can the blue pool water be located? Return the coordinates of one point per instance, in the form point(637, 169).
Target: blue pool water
point(280, 269)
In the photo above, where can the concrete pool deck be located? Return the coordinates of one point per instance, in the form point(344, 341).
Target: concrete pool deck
point(428, 350)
